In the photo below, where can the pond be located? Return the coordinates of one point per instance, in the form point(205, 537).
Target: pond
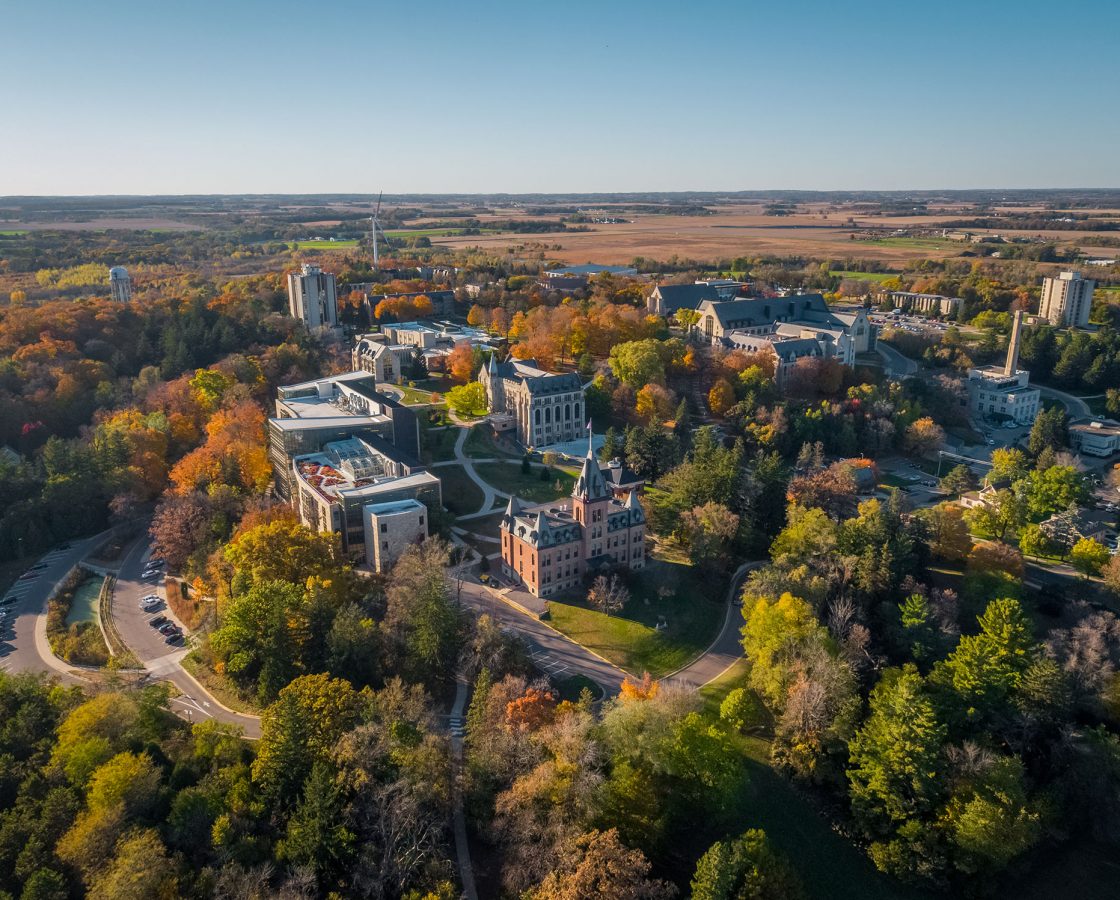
point(84, 607)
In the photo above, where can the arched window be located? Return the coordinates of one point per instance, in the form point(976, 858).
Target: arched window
point(576, 413)
point(567, 412)
point(537, 416)
point(548, 415)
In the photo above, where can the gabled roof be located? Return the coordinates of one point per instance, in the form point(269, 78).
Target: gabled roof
point(685, 296)
point(591, 485)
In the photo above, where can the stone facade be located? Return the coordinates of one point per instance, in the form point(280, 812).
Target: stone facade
point(547, 408)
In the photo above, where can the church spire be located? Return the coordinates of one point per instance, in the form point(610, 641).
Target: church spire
point(591, 485)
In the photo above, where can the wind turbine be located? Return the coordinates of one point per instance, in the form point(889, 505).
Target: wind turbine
point(374, 227)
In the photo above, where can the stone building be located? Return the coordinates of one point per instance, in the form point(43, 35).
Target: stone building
point(544, 407)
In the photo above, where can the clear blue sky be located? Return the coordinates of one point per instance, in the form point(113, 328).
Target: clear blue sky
point(242, 96)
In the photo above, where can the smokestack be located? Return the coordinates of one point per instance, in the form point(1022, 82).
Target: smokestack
point(1012, 365)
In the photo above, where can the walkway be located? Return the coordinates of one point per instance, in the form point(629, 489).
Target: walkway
point(898, 366)
point(489, 494)
point(457, 728)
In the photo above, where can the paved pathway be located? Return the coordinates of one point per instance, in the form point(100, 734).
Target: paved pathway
point(489, 494)
point(898, 366)
point(457, 729)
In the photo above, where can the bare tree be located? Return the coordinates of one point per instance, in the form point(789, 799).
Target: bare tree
point(608, 594)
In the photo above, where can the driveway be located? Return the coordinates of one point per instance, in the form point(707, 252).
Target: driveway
point(164, 662)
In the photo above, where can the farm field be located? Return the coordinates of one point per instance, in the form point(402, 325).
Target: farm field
point(324, 245)
point(877, 277)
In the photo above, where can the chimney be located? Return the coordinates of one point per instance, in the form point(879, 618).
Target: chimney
point(1012, 365)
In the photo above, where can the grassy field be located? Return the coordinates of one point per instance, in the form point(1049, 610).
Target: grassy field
point(480, 444)
point(460, 494)
point(912, 243)
point(508, 477)
point(324, 245)
point(877, 277)
point(437, 444)
point(691, 609)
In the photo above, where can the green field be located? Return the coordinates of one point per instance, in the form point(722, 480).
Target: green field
point(480, 444)
point(432, 232)
point(509, 478)
point(877, 277)
point(692, 609)
point(13, 232)
point(324, 245)
point(914, 243)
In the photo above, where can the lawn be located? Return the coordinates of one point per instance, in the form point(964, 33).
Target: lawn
point(714, 692)
point(691, 607)
point(460, 494)
point(324, 245)
point(509, 478)
point(480, 444)
point(877, 277)
point(437, 444)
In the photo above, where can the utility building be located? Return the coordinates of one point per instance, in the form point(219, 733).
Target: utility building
point(1004, 392)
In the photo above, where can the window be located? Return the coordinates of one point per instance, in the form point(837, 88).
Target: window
point(421, 520)
point(384, 545)
point(384, 528)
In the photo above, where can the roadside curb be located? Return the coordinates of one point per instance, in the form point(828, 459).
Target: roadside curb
point(202, 690)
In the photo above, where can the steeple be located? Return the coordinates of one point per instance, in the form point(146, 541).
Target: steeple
point(590, 485)
point(513, 508)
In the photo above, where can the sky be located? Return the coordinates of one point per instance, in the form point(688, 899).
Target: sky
point(358, 96)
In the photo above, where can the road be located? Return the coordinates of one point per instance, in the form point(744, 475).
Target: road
point(1075, 406)
point(551, 651)
point(23, 635)
point(163, 662)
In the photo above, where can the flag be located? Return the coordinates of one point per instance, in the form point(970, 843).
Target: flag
point(588, 424)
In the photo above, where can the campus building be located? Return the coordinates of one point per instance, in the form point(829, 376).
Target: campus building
point(543, 407)
point(388, 363)
point(843, 335)
point(926, 304)
point(1067, 299)
point(551, 547)
point(312, 297)
point(390, 529)
point(312, 414)
point(1004, 392)
point(1097, 437)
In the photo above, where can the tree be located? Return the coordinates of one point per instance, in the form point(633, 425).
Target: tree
point(477, 316)
point(947, 532)
point(1111, 574)
point(598, 865)
point(654, 404)
point(301, 727)
point(772, 632)
point(638, 363)
point(283, 550)
point(1054, 490)
point(1008, 464)
point(1089, 556)
point(810, 535)
point(996, 556)
point(958, 480)
point(746, 868)
point(422, 622)
point(986, 667)
point(896, 755)
point(708, 532)
point(1002, 512)
point(317, 838)
point(140, 869)
point(923, 436)
point(608, 594)
point(468, 399)
point(1033, 541)
point(721, 397)
point(1050, 431)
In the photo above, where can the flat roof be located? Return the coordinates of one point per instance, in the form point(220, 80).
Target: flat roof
point(325, 418)
point(389, 507)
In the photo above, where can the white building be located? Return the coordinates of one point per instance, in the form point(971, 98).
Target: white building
point(1066, 300)
point(390, 529)
point(120, 285)
point(312, 297)
point(1004, 392)
point(1097, 437)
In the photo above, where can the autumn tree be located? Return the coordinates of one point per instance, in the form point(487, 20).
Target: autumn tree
point(721, 397)
point(923, 436)
point(598, 865)
point(709, 531)
point(745, 868)
point(1089, 556)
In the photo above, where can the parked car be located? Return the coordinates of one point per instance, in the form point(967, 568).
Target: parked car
point(173, 638)
point(27, 576)
point(38, 566)
point(169, 628)
point(149, 605)
point(158, 621)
